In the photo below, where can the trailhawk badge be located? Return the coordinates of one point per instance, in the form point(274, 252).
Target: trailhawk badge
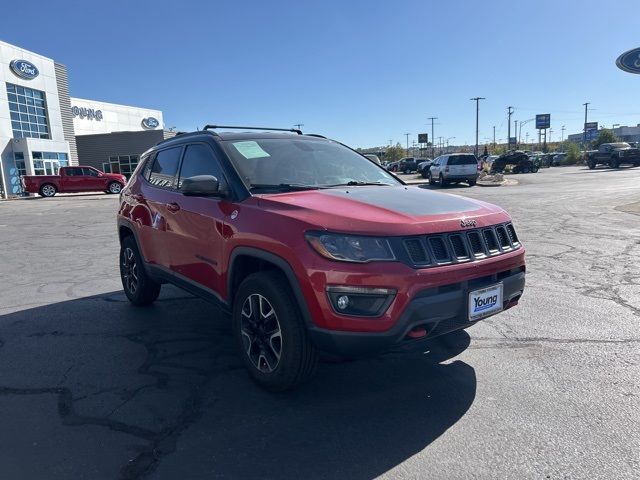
point(467, 223)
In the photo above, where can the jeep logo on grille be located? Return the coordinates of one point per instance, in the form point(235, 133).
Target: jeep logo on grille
point(467, 223)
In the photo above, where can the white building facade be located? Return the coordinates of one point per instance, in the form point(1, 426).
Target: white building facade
point(39, 121)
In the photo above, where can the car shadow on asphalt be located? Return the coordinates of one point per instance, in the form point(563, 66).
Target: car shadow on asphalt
point(602, 169)
point(168, 379)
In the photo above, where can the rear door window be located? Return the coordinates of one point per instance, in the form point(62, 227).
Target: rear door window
point(73, 172)
point(165, 168)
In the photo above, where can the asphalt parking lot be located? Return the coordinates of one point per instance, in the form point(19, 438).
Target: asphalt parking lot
point(92, 388)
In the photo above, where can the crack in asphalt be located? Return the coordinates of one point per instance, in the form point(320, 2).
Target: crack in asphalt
point(159, 442)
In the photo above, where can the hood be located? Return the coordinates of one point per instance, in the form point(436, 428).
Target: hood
point(401, 210)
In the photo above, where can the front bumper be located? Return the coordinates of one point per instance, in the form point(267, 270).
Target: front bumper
point(437, 310)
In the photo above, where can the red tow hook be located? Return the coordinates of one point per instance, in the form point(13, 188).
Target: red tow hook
point(417, 332)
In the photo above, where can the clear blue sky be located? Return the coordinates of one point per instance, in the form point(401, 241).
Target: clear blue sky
point(363, 72)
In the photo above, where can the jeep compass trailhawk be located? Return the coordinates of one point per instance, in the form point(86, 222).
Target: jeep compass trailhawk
point(311, 247)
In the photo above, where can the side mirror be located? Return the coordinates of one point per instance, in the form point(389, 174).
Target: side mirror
point(201, 186)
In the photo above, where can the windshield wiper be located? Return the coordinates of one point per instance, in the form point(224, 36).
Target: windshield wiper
point(282, 186)
point(354, 183)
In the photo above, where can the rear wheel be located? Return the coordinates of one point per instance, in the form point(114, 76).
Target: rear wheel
point(274, 343)
point(48, 190)
point(138, 286)
point(114, 187)
point(471, 183)
point(591, 165)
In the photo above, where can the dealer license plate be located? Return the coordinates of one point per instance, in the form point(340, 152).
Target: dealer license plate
point(485, 302)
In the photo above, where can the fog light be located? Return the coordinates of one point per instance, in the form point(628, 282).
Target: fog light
point(360, 301)
point(343, 302)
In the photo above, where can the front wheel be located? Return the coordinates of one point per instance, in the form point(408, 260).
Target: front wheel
point(138, 286)
point(48, 190)
point(114, 187)
point(442, 181)
point(591, 165)
point(471, 183)
point(273, 341)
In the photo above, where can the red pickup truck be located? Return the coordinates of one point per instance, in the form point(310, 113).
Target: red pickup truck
point(74, 179)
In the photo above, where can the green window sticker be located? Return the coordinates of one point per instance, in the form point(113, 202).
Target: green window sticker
point(250, 149)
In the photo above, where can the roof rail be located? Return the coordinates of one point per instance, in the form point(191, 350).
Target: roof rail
point(214, 127)
point(315, 135)
point(182, 134)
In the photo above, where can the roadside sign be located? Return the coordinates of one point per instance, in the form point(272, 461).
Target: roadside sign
point(591, 126)
point(629, 61)
point(423, 138)
point(591, 134)
point(513, 140)
point(543, 121)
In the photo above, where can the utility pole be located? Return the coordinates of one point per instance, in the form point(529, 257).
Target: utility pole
point(407, 135)
point(440, 144)
point(477, 100)
point(584, 127)
point(562, 134)
point(509, 113)
point(298, 125)
point(432, 137)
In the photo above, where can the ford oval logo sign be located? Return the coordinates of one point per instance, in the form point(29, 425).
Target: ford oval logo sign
point(629, 61)
point(24, 69)
point(150, 123)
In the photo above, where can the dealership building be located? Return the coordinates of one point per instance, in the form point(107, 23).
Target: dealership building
point(42, 128)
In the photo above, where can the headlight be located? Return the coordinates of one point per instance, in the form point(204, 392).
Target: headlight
point(350, 248)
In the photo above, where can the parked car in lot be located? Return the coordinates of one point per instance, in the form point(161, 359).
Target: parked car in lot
point(424, 166)
point(404, 165)
point(613, 155)
point(454, 168)
point(74, 179)
point(310, 248)
point(519, 162)
point(373, 158)
point(556, 160)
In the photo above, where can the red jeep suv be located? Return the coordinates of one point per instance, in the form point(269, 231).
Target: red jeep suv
point(311, 247)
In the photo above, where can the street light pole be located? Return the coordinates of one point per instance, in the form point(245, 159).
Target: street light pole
point(477, 100)
point(432, 137)
point(509, 113)
point(562, 134)
point(407, 135)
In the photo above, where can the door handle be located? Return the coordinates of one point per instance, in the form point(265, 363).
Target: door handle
point(173, 207)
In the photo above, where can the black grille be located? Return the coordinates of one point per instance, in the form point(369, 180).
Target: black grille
point(416, 251)
point(503, 238)
point(491, 240)
point(476, 243)
point(439, 249)
point(459, 248)
point(512, 234)
point(452, 247)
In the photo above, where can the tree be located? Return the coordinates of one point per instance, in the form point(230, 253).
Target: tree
point(573, 153)
point(605, 136)
point(394, 153)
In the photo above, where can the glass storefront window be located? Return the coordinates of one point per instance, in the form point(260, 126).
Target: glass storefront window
point(49, 163)
point(27, 108)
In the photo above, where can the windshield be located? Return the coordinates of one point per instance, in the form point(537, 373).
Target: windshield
point(302, 162)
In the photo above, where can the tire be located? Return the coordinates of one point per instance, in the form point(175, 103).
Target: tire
point(48, 190)
point(614, 163)
point(114, 188)
point(405, 171)
point(430, 178)
point(525, 170)
point(534, 169)
point(138, 286)
point(472, 183)
point(442, 181)
point(275, 347)
point(591, 165)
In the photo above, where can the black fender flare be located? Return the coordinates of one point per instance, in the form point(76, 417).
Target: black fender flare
point(279, 262)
